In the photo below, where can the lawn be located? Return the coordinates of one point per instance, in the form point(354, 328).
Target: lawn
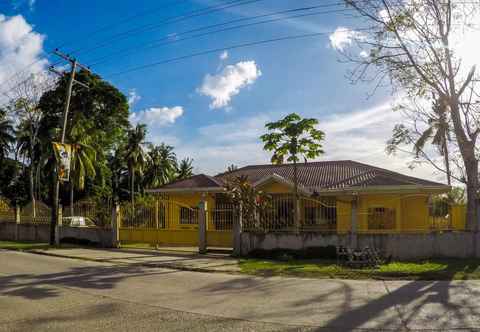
point(23, 245)
point(435, 269)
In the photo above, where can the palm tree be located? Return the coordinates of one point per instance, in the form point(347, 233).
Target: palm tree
point(185, 168)
point(162, 165)
point(439, 133)
point(84, 156)
point(135, 155)
point(7, 137)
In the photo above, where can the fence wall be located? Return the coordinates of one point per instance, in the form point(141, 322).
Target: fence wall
point(400, 246)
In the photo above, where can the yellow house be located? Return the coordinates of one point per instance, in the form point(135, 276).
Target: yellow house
point(336, 196)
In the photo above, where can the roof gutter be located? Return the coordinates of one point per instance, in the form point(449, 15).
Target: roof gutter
point(386, 189)
point(187, 190)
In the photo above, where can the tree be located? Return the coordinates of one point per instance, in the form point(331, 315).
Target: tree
point(7, 137)
point(232, 168)
point(291, 139)
point(252, 204)
point(82, 165)
point(24, 100)
point(185, 168)
point(415, 47)
point(102, 111)
point(161, 166)
point(135, 155)
point(435, 129)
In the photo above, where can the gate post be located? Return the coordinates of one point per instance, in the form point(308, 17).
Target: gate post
point(116, 226)
point(237, 233)
point(58, 227)
point(202, 227)
point(17, 222)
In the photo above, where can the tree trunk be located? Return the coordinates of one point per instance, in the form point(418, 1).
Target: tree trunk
point(71, 198)
point(132, 187)
point(447, 163)
point(467, 150)
point(32, 190)
point(471, 167)
point(295, 185)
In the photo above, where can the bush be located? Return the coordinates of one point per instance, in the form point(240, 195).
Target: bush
point(283, 254)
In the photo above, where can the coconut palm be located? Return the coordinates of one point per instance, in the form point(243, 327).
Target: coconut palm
point(162, 165)
point(185, 168)
point(7, 137)
point(135, 155)
point(439, 133)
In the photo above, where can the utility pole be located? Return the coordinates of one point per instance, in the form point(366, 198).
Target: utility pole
point(71, 80)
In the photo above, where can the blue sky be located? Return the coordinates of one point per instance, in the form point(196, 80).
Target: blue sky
point(213, 107)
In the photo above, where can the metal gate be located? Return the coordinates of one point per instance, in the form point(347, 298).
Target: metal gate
point(170, 223)
point(160, 223)
point(220, 222)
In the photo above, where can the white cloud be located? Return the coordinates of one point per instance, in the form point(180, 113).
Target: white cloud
point(224, 55)
point(228, 83)
point(21, 50)
point(133, 97)
point(156, 117)
point(343, 37)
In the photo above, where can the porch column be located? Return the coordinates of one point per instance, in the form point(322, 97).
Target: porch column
point(353, 232)
point(202, 227)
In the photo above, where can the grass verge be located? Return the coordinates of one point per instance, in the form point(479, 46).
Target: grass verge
point(435, 269)
point(20, 245)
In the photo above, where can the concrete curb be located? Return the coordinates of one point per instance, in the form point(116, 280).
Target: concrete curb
point(151, 265)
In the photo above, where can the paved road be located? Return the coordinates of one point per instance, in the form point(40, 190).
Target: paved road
point(40, 293)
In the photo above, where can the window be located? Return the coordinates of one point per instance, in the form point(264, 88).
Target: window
point(188, 216)
point(320, 213)
point(381, 218)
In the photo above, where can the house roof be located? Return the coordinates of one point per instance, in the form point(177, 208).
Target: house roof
point(200, 182)
point(319, 176)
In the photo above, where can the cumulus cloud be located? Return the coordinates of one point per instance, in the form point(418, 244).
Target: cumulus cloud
point(228, 82)
point(21, 49)
point(224, 55)
point(133, 97)
point(156, 117)
point(343, 37)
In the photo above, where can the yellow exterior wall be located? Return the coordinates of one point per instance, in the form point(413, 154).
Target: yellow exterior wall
point(459, 217)
point(344, 215)
point(189, 200)
point(415, 216)
point(276, 188)
point(371, 201)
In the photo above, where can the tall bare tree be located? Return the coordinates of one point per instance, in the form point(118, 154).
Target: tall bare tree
point(413, 46)
point(24, 98)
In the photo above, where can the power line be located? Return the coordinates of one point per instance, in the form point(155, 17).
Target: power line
point(220, 49)
point(126, 20)
point(167, 39)
point(173, 19)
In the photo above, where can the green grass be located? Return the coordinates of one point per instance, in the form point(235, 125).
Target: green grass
point(437, 269)
point(23, 245)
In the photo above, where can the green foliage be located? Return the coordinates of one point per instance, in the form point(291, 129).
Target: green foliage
point(292, 138)
point(135, 155)
point(161, 167)
point(7, 137)
point(185, 168)
point(254, 203)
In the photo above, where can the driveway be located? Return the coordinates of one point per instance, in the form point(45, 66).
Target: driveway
point(44, 293)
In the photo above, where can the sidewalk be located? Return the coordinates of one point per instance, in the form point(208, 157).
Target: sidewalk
point(181, 260)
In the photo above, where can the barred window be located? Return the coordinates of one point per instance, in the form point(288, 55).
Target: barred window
point(187, 216)
point(381, 218)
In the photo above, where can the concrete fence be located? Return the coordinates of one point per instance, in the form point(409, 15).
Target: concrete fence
point(400, 246)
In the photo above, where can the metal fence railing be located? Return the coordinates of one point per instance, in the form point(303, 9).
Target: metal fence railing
point(100, 213)
point(38, 213)
point(222, 218)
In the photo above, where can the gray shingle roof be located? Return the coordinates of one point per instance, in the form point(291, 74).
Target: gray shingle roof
point(332, 175)
point(314, 176)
